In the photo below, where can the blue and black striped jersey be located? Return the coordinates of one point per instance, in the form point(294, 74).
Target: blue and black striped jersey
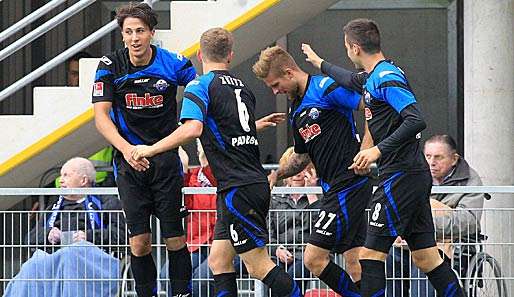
point(226, 107)
point(386, 93)
point(323, 127)
point(144, 106)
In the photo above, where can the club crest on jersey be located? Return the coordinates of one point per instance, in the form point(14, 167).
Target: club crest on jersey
point(98, 89)
point(309, 132)
point(132, 101)
point(314, 113)
point(367, 113)
point(161, 85)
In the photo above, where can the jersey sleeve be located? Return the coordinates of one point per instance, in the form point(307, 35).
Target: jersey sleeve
point(186, 72)
point(394, 89)
point(342, 97)
point(348, 79)
point(195, 102)
point(103, 87)
point(299, 143)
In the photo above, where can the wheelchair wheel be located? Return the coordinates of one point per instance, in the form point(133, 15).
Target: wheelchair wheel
point(484, 277)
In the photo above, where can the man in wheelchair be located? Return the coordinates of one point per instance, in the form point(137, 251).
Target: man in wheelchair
point(456, 218)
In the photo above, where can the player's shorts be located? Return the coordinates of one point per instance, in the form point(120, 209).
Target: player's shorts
point(401, 207)
point(341, 223)
point(241, 216)
point(155, 191)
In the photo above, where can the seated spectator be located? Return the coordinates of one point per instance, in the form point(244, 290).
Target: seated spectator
point(74, 241)
point(455, 216)
point(289, 230)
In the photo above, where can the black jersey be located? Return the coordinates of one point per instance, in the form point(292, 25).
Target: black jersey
point(386, 94)
point(144, 107)
point(323, 127)
point(226, 107)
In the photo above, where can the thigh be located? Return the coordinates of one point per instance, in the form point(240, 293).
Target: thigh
point(135, 198)
point(397, 202)
point(166, 188)
point(341, 223)
point(241, 218)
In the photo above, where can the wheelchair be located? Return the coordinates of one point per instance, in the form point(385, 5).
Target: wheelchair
point(480, 272)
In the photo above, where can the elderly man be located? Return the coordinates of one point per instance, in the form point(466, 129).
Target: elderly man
point(456, 216)
point(94, 227)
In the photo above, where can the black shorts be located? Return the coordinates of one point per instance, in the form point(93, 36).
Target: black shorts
point(155, 191)
point(401, 207)
point(341, 223)
point(241, 216)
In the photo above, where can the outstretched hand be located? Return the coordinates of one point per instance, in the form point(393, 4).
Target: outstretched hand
point(312, 57)
point(270, 120)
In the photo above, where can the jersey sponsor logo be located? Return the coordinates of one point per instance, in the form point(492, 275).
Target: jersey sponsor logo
point(141, 80)
point(309, 132)
point(314, 113)
point(161, 85)
point(384, 73)
point(323, 81)
point(98, 89)
point(106, 60)
point(244, 140)
point(132, 101)
point(367, 113)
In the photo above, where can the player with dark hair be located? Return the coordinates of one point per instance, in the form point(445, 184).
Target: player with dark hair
point(324, 132)
point(401, 205)
point(134, 103)
point(219, 108)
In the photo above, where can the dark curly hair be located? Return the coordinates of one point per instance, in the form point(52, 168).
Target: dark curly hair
point(141, 11)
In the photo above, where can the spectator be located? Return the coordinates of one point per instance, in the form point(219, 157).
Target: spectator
point(456, 216)
point(289, 230)
point(73, 68)
point(74, 219)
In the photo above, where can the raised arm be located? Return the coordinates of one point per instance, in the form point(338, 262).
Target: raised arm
point(295, 164)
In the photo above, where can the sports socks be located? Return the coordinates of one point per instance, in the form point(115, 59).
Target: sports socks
point(281, 283)
point(373, 278)
point(225, 285)
point(180, 272)
point(145, 275)
point(445, 281)
point(339, 281)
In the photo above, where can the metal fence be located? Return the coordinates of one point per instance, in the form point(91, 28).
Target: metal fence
point(481, 252)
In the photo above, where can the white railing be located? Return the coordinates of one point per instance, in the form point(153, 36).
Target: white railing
point(482, 263)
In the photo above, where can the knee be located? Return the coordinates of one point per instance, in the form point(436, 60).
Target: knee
point(315, 262)
point(219, 264)
point(140, 246)
point(175, 243)
point(426, 260)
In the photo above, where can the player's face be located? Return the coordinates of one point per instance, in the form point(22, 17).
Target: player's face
point(352, 53)
point(283, 84)
point(137, 36)
point(440, 159)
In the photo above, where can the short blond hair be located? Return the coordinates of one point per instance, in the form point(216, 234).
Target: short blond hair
point(284, 159)
point(273, 60)
point(216, 44)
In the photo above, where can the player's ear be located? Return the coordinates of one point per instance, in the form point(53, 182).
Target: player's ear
point(199, 55)
point(289, 73)
point(230, 57)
